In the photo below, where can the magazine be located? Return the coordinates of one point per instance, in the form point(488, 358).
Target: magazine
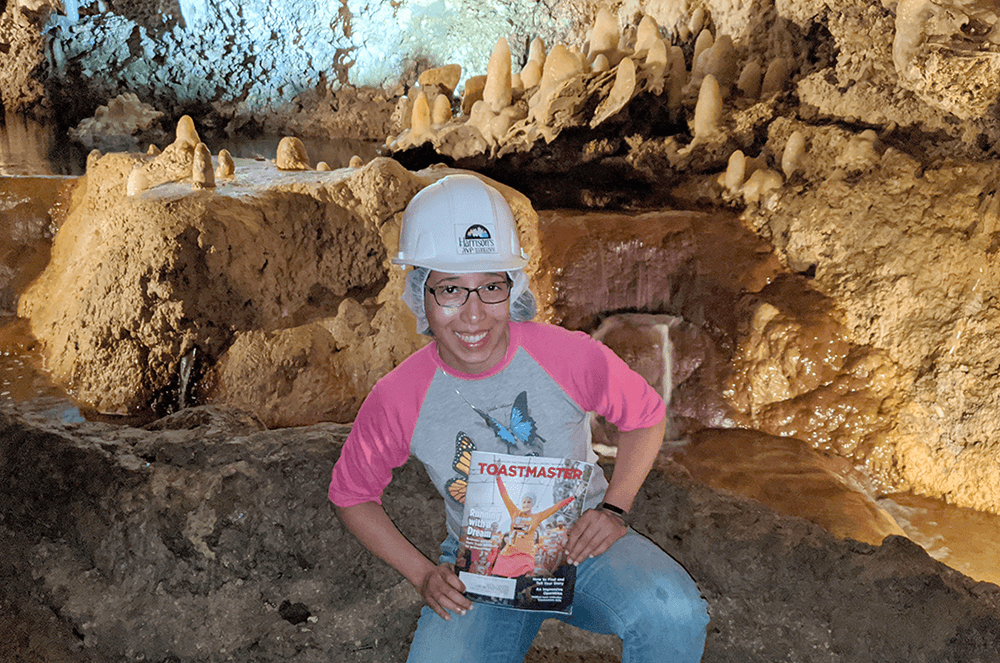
point(518, 511)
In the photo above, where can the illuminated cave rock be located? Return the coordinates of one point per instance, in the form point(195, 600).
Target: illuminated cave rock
point(116, 126)
point(275, 283)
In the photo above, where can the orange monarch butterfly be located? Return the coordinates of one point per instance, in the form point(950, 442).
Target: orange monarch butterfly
point(464, 446)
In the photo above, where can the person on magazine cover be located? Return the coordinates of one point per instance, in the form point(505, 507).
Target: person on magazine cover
point(494, 381)
point(518, 556)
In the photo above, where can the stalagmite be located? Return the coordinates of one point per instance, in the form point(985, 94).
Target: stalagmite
point(791, 158)
point(600, 64)
point(497, 92)
point(138, 182)
point(516, 85)
point(292, 154)
point(750, 79)
point(202, 175)
point(656, 55)
point(704, 42)
point(420, 118)
point(776, 78)
point(356, 162)
point(560, 64)
point(481, 117)
point(735, 172)
point(227, 167)
point(531, 74)
point(441, 113)
point(536, 51)
point(92, 158)
point(499, 126)
point(621, 92)
point(604, 35)
point(647, 34)
point(152, 150)
point(759, 183)
point(708, 110)
point(721, 61)
point(697, 22)
point(677, 79)
point(186, 133)
point(322, 167)
point(656, 65)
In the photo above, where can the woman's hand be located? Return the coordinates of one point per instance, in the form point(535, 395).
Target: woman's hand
point(443, 591)
point(592, 534)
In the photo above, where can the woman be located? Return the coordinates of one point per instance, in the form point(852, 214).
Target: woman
point(518, 557)
point(532, 388)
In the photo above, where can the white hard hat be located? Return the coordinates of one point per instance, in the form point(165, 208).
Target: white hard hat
point(460, 225)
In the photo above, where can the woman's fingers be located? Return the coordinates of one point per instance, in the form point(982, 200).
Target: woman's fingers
point(592, 534)
point(443, 592)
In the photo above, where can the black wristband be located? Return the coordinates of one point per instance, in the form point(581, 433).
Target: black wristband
point(617, 510)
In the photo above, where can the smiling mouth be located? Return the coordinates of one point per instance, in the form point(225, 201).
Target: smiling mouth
point(471, 339)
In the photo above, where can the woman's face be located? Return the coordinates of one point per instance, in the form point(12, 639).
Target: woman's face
point(473, 337)
point(527, 504)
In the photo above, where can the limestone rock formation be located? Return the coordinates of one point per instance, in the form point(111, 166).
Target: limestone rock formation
point(278, 283)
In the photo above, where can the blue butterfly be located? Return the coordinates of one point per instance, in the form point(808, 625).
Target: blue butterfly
point(522, 430)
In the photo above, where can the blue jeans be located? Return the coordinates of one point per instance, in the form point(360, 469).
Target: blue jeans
point(634, 590)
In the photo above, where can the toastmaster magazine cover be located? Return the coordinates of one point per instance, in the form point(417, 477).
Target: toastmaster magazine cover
point(518, 511)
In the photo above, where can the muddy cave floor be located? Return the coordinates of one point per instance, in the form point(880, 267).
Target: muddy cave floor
point(86, 526)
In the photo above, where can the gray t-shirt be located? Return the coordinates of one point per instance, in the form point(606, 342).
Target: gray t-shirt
point(538, 400)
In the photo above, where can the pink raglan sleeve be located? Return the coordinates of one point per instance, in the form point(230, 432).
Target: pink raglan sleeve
point(379, 440)
point(595, 377)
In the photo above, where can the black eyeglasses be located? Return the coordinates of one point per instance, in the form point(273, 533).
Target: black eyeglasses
point(453, 296)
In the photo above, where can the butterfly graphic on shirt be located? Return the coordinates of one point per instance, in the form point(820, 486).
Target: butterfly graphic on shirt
point(522, 430)
point(456, 486)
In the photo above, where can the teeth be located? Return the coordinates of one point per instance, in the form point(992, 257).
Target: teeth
point(474, 338)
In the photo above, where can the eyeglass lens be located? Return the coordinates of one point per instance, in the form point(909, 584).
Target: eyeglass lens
point(456, 295)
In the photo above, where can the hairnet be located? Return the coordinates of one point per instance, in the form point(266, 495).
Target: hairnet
point(522, 301)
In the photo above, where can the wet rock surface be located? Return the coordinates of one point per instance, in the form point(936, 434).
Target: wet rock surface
point(217, 542)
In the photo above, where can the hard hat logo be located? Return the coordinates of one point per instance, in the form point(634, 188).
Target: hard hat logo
point(459, 225)
point(476, 240)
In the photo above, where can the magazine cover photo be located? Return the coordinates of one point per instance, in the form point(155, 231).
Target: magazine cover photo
point(518, 512)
